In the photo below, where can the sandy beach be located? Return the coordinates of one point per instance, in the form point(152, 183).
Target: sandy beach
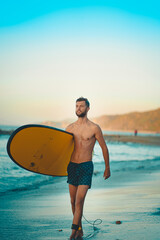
point(45, 213)
point(148, 140)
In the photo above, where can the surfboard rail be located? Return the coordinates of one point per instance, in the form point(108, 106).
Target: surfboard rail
point(41, 149)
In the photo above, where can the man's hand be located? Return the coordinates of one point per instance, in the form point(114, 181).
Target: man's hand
point(107, 173)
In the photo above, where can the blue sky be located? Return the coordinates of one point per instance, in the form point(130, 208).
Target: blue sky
point(53, 52)
point(15, 12)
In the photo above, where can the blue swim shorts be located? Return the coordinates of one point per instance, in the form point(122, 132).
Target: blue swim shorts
point(80, 173)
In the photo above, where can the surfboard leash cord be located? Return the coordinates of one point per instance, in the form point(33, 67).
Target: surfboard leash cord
point(94, 223)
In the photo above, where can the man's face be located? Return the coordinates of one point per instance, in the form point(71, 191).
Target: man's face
point(81, 109)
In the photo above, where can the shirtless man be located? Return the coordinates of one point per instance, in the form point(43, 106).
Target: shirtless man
point(80, 168)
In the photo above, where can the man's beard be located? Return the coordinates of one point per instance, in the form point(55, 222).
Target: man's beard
point(83, 114)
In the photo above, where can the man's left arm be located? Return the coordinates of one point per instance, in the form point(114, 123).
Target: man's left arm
point(101, 141)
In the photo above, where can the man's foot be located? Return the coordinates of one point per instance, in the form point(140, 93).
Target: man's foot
point(73, 234)
point(79, 234)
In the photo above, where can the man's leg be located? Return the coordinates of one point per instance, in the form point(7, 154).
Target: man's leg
point(79, 203)
point(73, 191)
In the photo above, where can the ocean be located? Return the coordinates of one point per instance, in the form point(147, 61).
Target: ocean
point(124, 157)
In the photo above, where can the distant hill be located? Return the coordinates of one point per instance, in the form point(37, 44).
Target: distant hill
point(142, 121)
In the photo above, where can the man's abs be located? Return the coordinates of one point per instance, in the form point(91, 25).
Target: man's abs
point(80, 157)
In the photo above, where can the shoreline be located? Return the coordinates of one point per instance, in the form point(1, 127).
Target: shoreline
point(8, 132)
point(149, 140)
point(131, 131)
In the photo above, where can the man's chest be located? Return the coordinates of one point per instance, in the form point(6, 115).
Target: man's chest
point(83, 134)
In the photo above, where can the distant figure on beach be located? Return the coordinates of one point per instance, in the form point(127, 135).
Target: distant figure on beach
point(135, 132)
point(80, 167)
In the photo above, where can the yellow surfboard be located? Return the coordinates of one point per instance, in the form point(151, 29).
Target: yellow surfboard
point(41, 149)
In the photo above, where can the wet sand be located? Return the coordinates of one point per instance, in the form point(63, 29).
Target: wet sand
point(45, 212)
point(149, 140)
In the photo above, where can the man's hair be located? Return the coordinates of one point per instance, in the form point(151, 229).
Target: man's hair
point(83, 99)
